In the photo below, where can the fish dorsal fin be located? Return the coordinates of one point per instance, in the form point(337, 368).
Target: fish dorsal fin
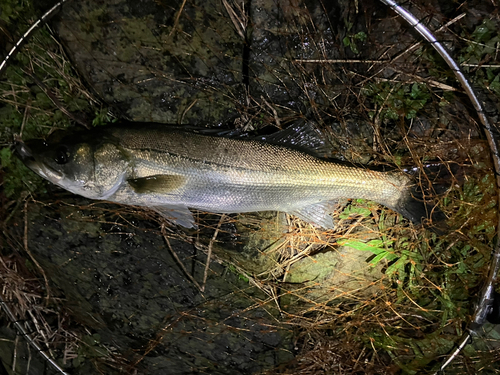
point(177, 214)
point(303, 135)
point(160, 183)
point(318, 214)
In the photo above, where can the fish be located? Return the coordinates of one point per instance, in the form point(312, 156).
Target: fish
point(172, 170)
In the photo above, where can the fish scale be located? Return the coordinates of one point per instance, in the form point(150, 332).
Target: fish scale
point(281, 179)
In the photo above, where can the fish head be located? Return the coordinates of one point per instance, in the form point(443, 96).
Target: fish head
point(84, 163)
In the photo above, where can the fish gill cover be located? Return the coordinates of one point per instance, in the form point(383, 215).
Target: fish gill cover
point(106, 288)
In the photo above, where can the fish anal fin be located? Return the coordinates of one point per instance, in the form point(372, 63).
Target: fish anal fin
point(318, 214)
point(177, 214)
point(161, 183)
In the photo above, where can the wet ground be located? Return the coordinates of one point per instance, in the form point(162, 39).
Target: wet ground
point(122, 282)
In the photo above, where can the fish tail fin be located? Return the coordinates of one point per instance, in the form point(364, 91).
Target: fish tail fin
point(420, 211)
point(436, 180)
point(417, 203)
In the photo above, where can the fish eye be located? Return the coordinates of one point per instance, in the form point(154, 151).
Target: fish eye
point(62, 155)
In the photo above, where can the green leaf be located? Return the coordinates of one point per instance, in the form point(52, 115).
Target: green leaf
point(360, 36)
point(377, 247)
point(383, 255)
point(398, 266)
point(354, 210)
point(373, 245)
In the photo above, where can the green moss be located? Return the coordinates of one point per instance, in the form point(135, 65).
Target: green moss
point(17, 178)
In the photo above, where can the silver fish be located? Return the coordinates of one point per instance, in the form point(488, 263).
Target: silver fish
point(171, 170)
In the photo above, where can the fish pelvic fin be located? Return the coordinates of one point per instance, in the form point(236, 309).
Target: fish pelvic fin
point(177, 214)
point(157, 183)
point(318, 214)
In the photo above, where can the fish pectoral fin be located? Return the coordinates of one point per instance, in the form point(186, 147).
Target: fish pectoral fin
point(318, 214)
point(160, 183)
point(177, 214)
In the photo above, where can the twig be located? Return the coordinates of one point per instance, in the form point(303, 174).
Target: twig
point(240, 23)
point(25, 117)
point(273, 110)
point(187, 110)
point(209, 253)
point(174, 254)
point(480, 65)
point(14, 354)
point(153, 343)
point(176, 21)
point(340, 61)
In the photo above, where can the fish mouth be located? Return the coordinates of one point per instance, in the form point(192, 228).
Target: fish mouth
point(25, 153)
